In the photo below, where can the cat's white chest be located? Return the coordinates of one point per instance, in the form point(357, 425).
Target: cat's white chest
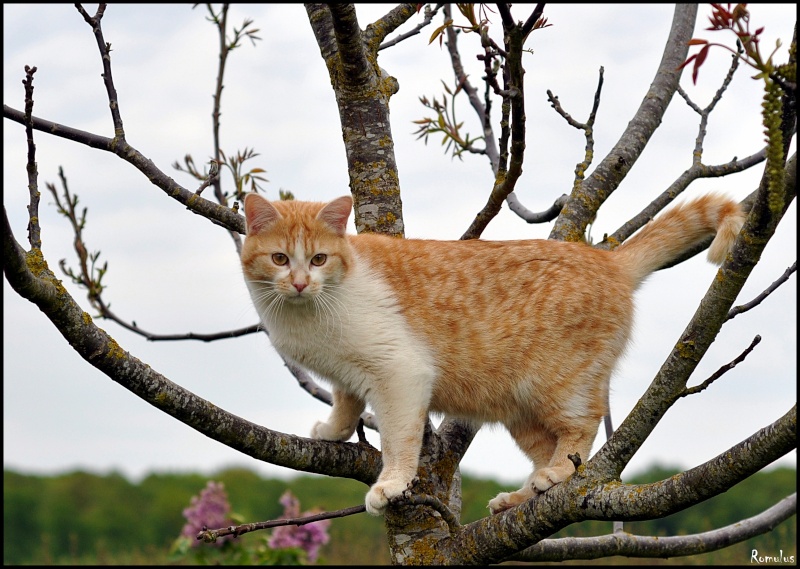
point(352, 338)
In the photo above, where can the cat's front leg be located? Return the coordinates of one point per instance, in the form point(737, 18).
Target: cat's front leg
point(402, 428)
point(342, 423)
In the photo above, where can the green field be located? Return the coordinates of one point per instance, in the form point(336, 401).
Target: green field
point(82, 518)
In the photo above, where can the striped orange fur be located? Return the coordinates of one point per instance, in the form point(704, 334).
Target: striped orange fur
point(521, 333)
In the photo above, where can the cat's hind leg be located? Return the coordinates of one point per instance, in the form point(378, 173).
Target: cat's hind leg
point(539, 445)
point(342, 423)
point(556, 441)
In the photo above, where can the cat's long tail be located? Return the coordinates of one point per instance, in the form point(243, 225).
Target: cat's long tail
point(679, 229)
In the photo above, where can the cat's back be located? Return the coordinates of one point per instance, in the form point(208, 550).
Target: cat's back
point(527, 268)
point(509, 311)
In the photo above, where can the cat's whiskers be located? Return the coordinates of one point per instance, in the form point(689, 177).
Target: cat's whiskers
point(329, 304)
point(268, 296)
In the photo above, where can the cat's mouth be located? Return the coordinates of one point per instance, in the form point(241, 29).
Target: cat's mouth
point(298, 297)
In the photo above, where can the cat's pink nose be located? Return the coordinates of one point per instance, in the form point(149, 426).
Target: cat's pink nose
point(300, 286)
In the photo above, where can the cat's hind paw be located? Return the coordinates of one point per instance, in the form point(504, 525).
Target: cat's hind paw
point(539, 482)
point(326, 432)
point(545, 478)
point(506, 500)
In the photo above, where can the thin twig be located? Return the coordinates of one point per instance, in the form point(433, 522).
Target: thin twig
point(433, 502)
point(105, 312)
point(429, 14)
point(215, 213)
point(211, 535)
point(34, 228)
point(722, 371)
point(105, 55)
point(587, 128)
point(697, 155)
point(769, 290)
point(212, 178)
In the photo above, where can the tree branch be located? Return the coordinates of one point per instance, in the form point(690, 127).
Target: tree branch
point(362, 93)
point(396, 17)
point(694, 172)
point(723, 370)
point(217, 214)
point(640, 546)
point(527, 27)
point(506, 180)
point(483, 111)
point(29, 275)
point(34, 229)
point(736, 310)
point(585, 201)
point(536, 217)
point(105, 54)
point(211, 535)
point(585, 496)
point(353, 60)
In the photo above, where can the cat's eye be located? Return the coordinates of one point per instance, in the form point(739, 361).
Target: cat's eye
point(279, 259)
point(319, 259)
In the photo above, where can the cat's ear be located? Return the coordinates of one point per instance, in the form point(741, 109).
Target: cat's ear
point(336, 213)
point(258, 213)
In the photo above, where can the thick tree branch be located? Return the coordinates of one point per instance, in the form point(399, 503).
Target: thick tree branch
point(220, 215)
point(31, 278)
point(396, 17)
point(671, 379)
point(353, 61)
point(362, 92)
point(641, 546)
point(584, 496)
point(585, 201)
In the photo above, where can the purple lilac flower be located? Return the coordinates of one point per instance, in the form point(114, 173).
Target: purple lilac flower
point(210, 509)
point(309, 537)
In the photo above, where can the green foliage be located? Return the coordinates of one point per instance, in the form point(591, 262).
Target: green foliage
point(445, 123)
point(81, 518)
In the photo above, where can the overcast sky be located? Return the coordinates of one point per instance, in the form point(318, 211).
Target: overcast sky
point(175, 272)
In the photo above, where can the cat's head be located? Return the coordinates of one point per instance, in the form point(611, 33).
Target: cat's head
point(295, 251)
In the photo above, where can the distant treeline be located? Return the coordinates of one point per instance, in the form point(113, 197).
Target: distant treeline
point(81, 518)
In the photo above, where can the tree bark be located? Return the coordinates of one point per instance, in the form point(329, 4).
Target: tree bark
point(586, 199)
point(362, 92)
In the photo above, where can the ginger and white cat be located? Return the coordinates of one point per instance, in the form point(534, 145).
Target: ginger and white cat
point(521, 333)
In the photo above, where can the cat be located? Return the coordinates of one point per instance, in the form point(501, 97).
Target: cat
point(522, 333)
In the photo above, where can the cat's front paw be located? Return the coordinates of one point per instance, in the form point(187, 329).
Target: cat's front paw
point(382, 493)
point(326, 432)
